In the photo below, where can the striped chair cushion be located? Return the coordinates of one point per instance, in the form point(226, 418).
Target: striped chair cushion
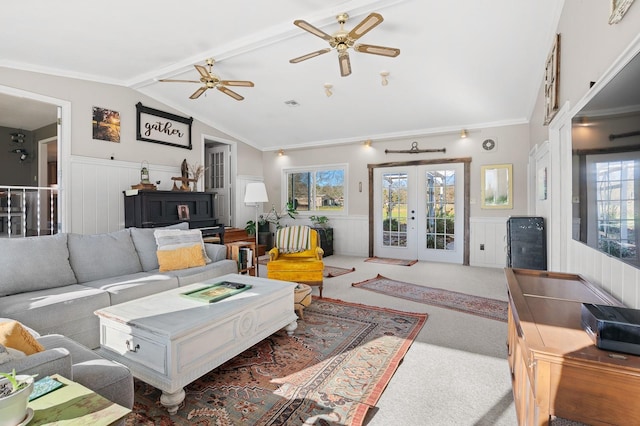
point(293, 239)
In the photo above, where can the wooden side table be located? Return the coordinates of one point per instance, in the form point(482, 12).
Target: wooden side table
point(76, 405)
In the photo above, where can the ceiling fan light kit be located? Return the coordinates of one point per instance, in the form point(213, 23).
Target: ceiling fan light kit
point(343, 40)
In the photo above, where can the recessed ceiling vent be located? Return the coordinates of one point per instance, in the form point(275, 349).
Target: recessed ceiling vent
point(292, 103)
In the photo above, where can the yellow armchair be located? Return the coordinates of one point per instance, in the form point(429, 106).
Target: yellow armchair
point(301, 267)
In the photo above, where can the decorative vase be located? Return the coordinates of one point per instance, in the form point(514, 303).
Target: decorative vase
point(13, 407)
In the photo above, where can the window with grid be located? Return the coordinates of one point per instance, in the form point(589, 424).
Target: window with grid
point(318, 189)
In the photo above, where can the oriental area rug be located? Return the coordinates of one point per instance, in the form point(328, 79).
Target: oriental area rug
point(390, 261)
point(330, 372)
point(476, 305)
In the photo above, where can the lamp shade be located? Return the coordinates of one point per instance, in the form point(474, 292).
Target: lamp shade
point(255, 193)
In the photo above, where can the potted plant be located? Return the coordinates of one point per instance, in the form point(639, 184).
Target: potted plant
point(264, 233)
point(14, 397)
point(320, 221)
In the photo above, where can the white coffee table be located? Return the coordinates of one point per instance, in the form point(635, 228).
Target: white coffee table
point(168, 340)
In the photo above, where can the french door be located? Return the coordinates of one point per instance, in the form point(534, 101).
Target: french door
point(419, 212)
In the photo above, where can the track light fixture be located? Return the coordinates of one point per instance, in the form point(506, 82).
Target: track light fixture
point(17, 137)
point(22, 152)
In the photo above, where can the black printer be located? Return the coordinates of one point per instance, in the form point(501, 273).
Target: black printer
point(612, 328)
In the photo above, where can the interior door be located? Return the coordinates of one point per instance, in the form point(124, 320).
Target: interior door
point(218, 180)
point(419, 212)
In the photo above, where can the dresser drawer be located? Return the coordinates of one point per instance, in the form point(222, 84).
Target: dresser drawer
point(143, 351)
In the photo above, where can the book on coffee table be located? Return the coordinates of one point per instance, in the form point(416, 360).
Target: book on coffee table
point(217, 291)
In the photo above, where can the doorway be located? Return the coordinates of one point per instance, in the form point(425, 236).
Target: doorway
point(217, 165)
point(420, 210)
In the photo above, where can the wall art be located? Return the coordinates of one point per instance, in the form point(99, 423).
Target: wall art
point(552, 81)
point(162, 127)
point(106, 124)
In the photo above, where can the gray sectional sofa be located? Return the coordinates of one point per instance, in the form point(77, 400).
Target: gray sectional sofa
point(54, 284)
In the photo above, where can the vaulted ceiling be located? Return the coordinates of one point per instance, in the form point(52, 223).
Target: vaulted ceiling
point(463, 63)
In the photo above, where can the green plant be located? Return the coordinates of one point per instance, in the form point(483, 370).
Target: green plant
point(272, 217)
point(319, 220)
point(14, 383)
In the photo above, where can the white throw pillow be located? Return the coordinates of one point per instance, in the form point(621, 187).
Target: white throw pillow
point(171, 239)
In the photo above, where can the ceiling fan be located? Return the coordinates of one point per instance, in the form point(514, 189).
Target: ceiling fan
point(342, 40)
point(210, 81)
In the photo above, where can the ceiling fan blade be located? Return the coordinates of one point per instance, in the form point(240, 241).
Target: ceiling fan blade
point(377, 50)
point(345, 64)
point(310, 55)
point(237, 83)
point(313, 30)
point(198, 92)
point(203, 71)
point(367, 24)
point(165, 80)
point(230, 92)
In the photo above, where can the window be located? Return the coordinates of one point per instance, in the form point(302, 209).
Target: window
point(317, 189)
point(613, 184)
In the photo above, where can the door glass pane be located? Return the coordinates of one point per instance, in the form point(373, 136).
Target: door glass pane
point(440, 209)
point(394, 205)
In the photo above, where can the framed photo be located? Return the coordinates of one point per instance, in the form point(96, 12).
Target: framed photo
point(551, 81)
point(162, 127)
point(106, 124)
point(183, 212)
point(496, 186)
point(618, 9)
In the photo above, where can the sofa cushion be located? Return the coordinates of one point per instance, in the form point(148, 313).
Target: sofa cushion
point(181, 258)
point(14, 335)
point(34, 263)
point(67, 310)
point(146, 245)
point(128, 287)
point(94, 257)
point(171, 239)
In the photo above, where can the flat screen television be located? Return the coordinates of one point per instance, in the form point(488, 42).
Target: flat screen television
point(606, 167)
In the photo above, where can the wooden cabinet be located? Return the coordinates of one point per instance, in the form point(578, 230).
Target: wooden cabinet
point(244, 253)
point(556, 369)
point(325, 239)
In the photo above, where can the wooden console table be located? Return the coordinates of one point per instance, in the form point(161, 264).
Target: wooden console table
point(556, 368)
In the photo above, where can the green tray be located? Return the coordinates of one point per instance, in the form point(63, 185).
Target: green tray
point(217, 291)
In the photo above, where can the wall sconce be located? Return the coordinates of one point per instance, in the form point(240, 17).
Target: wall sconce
point(464, 133)
point(327, 89)
point(18, 137)
point(281, 153)
point(384, 75)
point(367, 143)
point(22, 152)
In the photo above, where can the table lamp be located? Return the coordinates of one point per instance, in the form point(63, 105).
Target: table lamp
point(256, 192)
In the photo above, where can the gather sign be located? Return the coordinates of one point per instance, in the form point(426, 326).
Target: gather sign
point(162, 127)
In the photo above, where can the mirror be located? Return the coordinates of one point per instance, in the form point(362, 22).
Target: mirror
point(496, 186)
point(605, 138)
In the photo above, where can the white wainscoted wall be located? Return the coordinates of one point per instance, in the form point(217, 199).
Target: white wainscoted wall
point(96, 186)
point(615, 277)
point(491, 234)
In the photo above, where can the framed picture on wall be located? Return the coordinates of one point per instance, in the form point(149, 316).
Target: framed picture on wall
point(162, 127)
point(551, 81)
point(618, 9)
point(106, 124)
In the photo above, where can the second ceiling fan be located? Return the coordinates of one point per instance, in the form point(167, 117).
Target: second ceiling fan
point(342, 40)
point(209, 80)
